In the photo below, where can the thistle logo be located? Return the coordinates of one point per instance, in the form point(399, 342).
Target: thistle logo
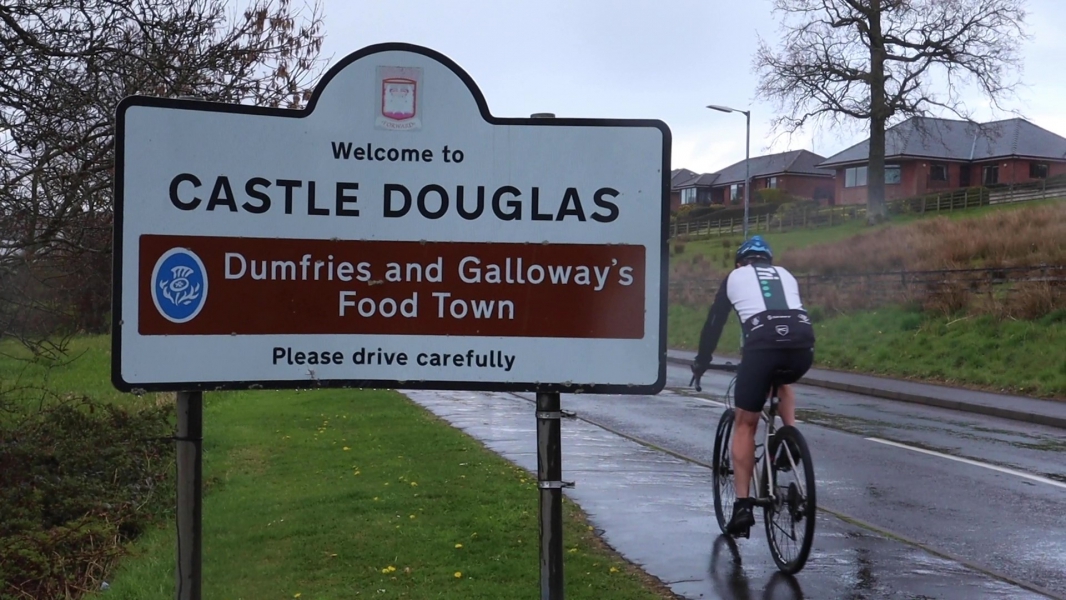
point(179, 285)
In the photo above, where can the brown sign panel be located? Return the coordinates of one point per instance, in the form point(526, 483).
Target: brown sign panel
point(306, 286)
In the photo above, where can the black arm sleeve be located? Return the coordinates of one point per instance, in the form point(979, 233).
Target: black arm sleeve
point(712, 329)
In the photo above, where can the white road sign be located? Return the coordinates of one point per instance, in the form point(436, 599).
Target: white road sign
point(392, 234)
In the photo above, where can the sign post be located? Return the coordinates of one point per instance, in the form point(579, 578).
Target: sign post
point(392, 234)
point(550, 484)
point(190, 408)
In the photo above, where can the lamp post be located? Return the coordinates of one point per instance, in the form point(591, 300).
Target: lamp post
point(747, 159)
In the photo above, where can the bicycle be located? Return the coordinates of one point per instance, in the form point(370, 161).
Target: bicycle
point(797, 500)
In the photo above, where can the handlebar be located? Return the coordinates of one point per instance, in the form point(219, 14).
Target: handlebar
point(727, 367)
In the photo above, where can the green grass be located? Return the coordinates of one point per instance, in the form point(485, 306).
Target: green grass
point(1022, 357)
point(86, 370)
point(341, 493)
point(684, 325)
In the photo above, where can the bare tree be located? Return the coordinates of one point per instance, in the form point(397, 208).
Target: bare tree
point(66, 65)
point(877, 60)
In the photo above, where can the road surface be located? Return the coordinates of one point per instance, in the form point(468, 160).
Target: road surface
point(923, 502)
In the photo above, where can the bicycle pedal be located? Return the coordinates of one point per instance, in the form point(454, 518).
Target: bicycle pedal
point(746, 534)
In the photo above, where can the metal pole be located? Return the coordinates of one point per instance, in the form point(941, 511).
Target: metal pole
point(747, 171)
point(190, 495)
point(550, 483)
point(549, 480)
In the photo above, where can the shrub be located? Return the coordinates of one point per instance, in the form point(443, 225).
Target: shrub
point(773, 196)
point(78, 479)
point(949, 299)
point(1034, 299)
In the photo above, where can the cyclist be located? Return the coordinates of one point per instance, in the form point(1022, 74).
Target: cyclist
point(777, 335)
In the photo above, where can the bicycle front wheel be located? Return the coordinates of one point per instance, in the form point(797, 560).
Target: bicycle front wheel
point(725, 494)
point(790, 518)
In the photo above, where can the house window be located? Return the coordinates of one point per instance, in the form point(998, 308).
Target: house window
point(771, 183)
point(1038, 170)
point(688, 195)
point(892, 174)
point(990, 175)
point(938, 172)
point(734, 192)
point(855, 177)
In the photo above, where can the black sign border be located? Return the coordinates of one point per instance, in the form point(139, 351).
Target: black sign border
point(203, 386)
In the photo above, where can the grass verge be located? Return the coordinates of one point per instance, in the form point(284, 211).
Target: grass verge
point(340, 494)
point(1010, 356)
point(881, 246)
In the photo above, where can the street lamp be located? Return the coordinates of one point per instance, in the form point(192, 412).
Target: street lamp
point(747, 159)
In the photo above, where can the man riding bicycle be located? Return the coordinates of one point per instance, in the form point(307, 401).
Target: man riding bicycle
point(778, 341)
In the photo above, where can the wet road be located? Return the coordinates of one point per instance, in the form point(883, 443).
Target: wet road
point(1004, 509)
point(990, 493)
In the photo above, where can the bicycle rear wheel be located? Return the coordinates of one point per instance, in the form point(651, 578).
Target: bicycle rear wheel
point(725, 494)
point(790, 519)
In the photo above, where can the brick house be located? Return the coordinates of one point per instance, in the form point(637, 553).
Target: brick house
point(793, 172)
point(691, 188)
point(678, 176)
point(925, 155)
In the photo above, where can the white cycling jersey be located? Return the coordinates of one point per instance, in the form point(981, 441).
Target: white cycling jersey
point(756, 289)
point(767, 300)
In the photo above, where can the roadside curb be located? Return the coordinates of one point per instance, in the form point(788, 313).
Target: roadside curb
point(992, 411)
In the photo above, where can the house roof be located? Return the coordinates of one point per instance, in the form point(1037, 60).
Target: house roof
point(952, 139)
point(799, 162)
point(679, 175)
point(696, 180)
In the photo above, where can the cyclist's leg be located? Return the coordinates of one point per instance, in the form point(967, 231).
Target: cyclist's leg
point(749, 397)
point(745, 424)
point(797, 362)
point(787, 405)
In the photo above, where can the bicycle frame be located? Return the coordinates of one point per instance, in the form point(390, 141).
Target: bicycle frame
point(768, 416)
point(762, 464)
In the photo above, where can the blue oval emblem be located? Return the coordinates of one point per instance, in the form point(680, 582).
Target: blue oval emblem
point(179, 285)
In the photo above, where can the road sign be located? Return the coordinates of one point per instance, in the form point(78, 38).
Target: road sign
point(392, 234)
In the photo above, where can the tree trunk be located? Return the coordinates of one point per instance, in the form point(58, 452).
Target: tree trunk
point(875, 172)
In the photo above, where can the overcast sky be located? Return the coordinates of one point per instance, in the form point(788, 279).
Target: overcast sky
point(663, 59)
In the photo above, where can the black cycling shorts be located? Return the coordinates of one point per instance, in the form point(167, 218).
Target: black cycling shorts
point(757, 367)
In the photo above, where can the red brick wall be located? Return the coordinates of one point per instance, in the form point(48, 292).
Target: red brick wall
point(807, 187)
point(915, 178)
point(1056, 169)
point(801, 186)
point(1017, 171)
point(923, 174)
point(914, 181)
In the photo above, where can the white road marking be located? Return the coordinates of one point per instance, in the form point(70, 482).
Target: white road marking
point(1022, 474)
